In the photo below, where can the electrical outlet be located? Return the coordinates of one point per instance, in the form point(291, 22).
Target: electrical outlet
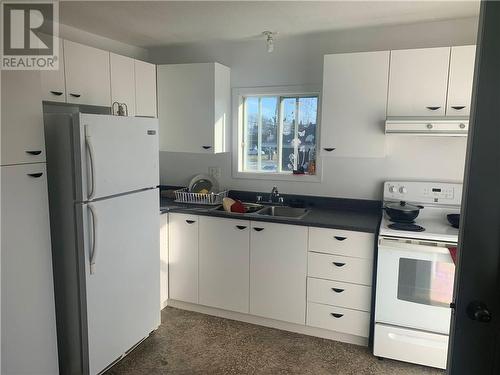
point(214, 171)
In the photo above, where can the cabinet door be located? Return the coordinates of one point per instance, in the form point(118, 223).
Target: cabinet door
point(186, 107)
point(163, 260)
point(354, 104)
point(29, 343)
point(145, 89)
point(278, 267)
point(87, 75)
point(460, 80)
point(53, 81)
point(22, 118)
point(418, 81)
point(183, 257)
point(224, 263)
point(123, 81)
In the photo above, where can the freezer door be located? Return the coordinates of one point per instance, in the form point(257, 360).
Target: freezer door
point(118, 154)
point(123, 284)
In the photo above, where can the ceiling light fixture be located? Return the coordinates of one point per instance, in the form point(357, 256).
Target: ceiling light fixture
point(270, 39)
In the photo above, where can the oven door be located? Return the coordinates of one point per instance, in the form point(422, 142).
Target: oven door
point(414, 284)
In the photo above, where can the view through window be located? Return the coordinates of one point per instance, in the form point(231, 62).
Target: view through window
point(280, 134)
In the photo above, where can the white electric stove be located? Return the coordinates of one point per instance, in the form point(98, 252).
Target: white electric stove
point(415, 275)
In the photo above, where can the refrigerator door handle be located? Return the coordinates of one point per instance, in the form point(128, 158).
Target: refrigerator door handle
point(93, 253)
point(90, 150)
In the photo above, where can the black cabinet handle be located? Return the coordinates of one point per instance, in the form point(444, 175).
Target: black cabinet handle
point(458, 107)
point(258, 229)
point(35, 175)
point(337, 264)
point(329, 149)
point(337, 290)
point(190, 221)
point(34, 152)
point(57, 93)
point(75, 95)
point(338, 238)
point(433, 108)
point(207, 147)
point(335, 315)
point(241, 227)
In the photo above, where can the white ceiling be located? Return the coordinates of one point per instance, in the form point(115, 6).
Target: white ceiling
point(158, 23)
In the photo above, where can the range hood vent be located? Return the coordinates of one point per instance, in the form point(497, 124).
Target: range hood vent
point(429, 126)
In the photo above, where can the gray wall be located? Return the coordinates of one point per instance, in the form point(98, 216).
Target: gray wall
point(299, 60)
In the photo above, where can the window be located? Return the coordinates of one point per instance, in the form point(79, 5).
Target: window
point(278, 133)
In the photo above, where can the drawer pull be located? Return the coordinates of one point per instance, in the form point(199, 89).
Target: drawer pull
point(258, 229)
point(36, 152)
point(35, 175)
point(337, 290)
point(329, 149)
point(337, 316)
point(458, 107)
point(338, 264)
point(241, 227)
point(206, 147)
point(433, 108)
point(190, 221)
point(338, 238)
point(56, 93)
point(75, 95)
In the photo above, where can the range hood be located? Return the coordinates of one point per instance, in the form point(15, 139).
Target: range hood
point(428, 126)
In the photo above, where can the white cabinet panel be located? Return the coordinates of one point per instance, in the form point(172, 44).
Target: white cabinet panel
point(337, 293)
point(460, 80)
point(418, 82)
point(87, 75)
point(342, 242)
point(163, 259)
point(354, 104)
point(29, 343)
point(224, 263)
point(123, 81)
point(194, 107)
point(338, 319)
point(53, 81)
point(22, 118)
point(278, 266)
point(145, 89)
point(340, 268)
point(183, 257)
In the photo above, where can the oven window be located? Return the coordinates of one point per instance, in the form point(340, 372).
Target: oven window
point(425, 282)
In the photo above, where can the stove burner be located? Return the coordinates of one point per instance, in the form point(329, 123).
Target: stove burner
point(410, 227)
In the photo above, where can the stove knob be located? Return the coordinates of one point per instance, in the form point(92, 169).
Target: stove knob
point(402, 190)
point(392, 189)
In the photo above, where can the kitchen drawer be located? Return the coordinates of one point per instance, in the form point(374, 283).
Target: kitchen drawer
point(342, 242)
point(351, 296)
point(339, 268)
point(338, 319)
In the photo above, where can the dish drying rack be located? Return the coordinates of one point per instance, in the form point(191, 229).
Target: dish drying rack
point(211, 199)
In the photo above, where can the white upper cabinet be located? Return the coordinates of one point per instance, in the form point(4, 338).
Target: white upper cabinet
point(145, 89)
point(354, 104)
point(224, 263)
point(22, 134)
point(123, 81)
point(53, 81)
point(194, 107)
point(460, 80)
point(87, 75)
point(278, 269)
point(418, 82)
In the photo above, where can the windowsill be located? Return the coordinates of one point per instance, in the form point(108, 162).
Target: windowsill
point(277, 176)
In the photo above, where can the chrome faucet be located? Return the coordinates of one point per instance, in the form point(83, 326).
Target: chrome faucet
point(275, 195)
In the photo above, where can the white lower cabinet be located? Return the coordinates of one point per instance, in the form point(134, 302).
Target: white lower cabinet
point(163, 259)
point(338, 319)
point(278, 259)
point(29, 343)
point(183, 257)
point(339, 294)
point(224, 263)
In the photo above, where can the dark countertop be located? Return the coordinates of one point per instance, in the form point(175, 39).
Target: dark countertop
point(347, 214)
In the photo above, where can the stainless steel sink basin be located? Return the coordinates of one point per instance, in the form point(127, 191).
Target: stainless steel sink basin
point(284, 211)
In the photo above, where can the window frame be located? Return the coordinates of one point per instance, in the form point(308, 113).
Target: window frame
point(238, 146)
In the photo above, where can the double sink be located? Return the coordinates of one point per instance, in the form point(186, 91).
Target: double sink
point(279, 211)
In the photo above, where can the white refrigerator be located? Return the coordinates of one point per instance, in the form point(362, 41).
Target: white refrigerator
point(103, 181)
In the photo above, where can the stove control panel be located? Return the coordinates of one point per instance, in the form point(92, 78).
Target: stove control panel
point(423, 192)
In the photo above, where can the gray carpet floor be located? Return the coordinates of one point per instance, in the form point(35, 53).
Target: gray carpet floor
point(192, 343)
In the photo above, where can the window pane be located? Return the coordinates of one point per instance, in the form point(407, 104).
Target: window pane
point(269, 135)
point(251, 132)
point(308, 111)
point(287, 144)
